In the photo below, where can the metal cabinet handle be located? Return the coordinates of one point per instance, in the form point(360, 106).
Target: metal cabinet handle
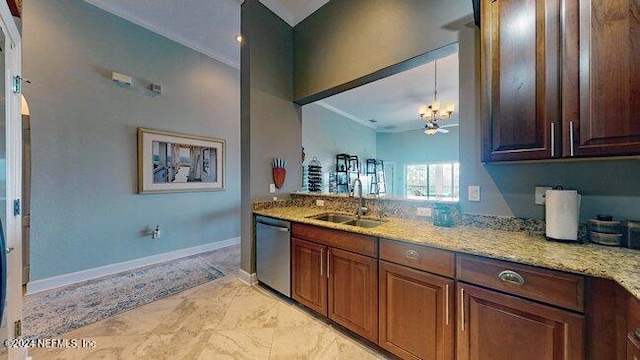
point(511, 277)
point(446, 304)
point(328, 262)
point(321, 262)
point(9, 249)
point(637, 333)
point(462, 308)
point(412, 254)
point(274, 227)
point(553, 139)
point(571, 137)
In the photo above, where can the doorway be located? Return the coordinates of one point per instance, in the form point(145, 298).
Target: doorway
point(11, 180)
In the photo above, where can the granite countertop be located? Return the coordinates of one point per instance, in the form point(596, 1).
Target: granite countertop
point(621, 265)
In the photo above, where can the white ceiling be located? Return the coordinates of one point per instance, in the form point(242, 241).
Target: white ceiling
point(394, 101)
point(293, 11)
point(207, 26)
point(211, 27)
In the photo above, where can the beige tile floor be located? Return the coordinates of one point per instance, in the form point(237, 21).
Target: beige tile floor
point(222, 319)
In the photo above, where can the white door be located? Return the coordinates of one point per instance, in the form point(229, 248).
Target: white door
point(11, 177)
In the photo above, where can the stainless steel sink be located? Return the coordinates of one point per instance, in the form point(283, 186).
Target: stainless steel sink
point(364, 223)
point(335, 218)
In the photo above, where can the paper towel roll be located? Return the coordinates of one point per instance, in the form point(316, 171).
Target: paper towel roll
point(562, 214)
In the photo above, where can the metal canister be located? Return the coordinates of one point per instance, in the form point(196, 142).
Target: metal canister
point(633, 235)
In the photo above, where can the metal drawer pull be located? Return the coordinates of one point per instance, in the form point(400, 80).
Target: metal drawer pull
point(553, 139)
point(321, 262)
point(446, 304)
point(572, 153)
point(637, 333)
point(462, 308)
point(511, 277)
point(412, 254)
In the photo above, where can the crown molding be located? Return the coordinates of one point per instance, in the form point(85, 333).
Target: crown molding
point(292, 17)
point(101, 4)
point(346, 114)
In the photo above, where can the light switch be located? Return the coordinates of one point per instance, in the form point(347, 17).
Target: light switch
point(319, 202)
point(272, 188)
point(474, 193)
point(540, 194)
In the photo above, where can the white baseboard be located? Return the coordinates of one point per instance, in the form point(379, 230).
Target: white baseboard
point(245, 277)
point(89, 274)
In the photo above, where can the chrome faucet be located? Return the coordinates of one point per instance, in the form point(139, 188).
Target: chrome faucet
point(361, 210)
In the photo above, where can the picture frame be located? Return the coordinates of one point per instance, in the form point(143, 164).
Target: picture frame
point(175, 162)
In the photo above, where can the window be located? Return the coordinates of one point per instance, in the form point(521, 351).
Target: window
point(433, 181)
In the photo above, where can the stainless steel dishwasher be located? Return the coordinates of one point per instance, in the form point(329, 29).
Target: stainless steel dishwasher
point(273, 254)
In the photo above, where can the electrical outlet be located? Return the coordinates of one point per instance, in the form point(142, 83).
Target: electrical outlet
point(541, 194)
point(272, 188)
point(423, 211)
point(474, 193)
point(319, 202)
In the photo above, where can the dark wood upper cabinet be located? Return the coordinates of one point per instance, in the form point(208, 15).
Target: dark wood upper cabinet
point(496, 326)
point(353, 292)
point(601, 95)
point(560, 81)
point(308, 275)
point(520, 79)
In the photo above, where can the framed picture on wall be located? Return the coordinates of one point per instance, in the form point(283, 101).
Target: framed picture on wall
point(173, 162)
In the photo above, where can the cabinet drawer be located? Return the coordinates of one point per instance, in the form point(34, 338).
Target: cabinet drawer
point(357, 243)
point(553, 287)
point(436, 261)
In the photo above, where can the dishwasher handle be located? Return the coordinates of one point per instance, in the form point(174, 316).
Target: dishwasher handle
point(277, 228)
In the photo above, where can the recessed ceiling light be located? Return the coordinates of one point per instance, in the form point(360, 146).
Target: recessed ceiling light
point(239, 38)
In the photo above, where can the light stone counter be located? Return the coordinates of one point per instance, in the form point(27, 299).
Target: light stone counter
point(621, 265)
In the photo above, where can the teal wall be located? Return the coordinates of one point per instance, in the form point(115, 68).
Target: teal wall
point(414, 147)
point(85, 210)
point(346, 40)
point(326, 134)
point(271, 122)
point(341, 43)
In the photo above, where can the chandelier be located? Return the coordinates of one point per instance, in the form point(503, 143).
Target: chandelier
point(434, 113)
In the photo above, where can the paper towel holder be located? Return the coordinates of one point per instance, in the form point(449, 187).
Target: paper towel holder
point(562, 214)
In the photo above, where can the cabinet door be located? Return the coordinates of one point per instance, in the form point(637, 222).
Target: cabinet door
point(520, 79)
point(496, 326)
point(416, 313)
point(601, 90)
point(353, 292)
point(633, 348)
point(309, 275)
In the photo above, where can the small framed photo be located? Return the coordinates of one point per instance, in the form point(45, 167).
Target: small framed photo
point(173, 162)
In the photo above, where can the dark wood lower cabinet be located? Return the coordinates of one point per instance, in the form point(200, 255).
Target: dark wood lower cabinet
point(308, 275)
point(495, 326)
point(416, 313)
point(633, 348)
point(353, 292)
